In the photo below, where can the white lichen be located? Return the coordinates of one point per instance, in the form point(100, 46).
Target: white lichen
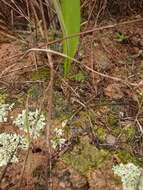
point(130, 175)
point(36, 123)
point(4, 111)
point(9, 144)
point(31, 123)
point(58, 139)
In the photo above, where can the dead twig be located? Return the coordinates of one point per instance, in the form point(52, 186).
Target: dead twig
point(96, 29)
point(110, 77)
point(31, 139)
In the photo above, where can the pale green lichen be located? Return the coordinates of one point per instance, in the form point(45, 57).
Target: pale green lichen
point(9, 144)
point(36, 120)
point(129, 174)
point(4, 111)
point(58, 139)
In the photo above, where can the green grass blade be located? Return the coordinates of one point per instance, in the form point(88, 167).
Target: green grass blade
point(58, 9)
point(68, 12)
point(71, 16)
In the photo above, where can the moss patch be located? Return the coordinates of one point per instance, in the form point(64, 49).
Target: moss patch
point(85, 156)
point(112, 120)
point(34, 92)
point(125, 157)
point(101, 134)
point(129, 132)
point(41, 74)
point(62, 108)
point(3, 98)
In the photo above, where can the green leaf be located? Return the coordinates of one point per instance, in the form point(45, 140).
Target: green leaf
point(71, 15)
point(121, 37)
point(68, 12)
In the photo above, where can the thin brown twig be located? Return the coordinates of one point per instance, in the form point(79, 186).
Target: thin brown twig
point(110, 77)
point(49, 51)
point(31, 139)
point(96, 29)
point(88, 68)
point(49, 123)
point(90, 14)
point(49, 186)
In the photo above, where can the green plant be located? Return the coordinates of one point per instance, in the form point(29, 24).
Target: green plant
point(120, 37)
point(80, 77)
point(69, 17)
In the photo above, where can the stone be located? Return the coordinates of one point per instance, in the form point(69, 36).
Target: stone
point(111, 140)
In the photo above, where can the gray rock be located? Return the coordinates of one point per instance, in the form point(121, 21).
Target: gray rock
point(110, 139)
